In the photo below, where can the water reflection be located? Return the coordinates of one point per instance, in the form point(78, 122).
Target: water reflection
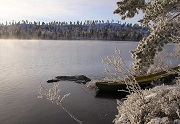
point(25, 63)
point(111, 94)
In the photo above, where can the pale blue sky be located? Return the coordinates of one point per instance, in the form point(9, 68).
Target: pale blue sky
point(60, 10)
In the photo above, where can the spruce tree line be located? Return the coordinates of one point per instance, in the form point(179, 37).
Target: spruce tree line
point(88, 30)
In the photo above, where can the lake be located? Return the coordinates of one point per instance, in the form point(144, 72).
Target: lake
point(26, 63)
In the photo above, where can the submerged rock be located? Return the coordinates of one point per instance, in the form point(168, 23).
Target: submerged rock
point(77, 78)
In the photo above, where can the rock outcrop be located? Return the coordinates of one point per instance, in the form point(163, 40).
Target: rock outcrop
point(77, 78)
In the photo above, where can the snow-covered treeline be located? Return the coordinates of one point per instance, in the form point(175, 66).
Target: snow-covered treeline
point(88, 30)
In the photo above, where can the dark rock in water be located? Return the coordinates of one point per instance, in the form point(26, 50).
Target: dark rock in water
point(78, 79)
point(53, 80)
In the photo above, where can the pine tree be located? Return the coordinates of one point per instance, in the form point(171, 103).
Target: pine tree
point(162, 17)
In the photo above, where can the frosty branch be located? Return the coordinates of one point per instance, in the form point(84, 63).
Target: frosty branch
point(53, 95)
point(162, 17)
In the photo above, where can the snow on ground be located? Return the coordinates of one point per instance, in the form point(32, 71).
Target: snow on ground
point(161, 105)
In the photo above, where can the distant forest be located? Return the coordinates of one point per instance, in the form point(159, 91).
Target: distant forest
point(88, 30)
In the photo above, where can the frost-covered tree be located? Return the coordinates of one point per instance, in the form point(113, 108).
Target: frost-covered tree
point(163, 19)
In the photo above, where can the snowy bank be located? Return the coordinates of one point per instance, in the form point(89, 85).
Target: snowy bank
point(160, 105)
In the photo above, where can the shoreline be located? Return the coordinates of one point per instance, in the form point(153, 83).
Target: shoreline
point(124, 41)
point(70, 39)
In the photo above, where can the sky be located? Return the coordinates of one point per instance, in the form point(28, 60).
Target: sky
point(60, 10)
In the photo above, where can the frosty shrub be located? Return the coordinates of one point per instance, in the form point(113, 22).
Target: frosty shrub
point(161, 106)
point(53, 94)
point(161, 63)
point(116, 68)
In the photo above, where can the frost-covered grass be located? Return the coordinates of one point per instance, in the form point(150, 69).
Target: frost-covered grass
point(161, 105)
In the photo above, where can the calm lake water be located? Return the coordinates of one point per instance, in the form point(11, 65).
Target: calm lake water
point(26, 63)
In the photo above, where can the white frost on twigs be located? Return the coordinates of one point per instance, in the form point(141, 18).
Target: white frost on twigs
point(53, 94)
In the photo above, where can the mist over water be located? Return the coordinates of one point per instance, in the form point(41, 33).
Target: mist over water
point(26, 63)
